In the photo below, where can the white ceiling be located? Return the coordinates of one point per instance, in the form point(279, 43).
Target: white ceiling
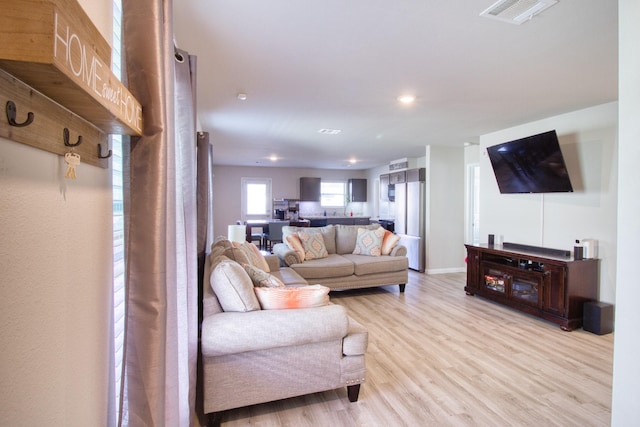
point(308, 65)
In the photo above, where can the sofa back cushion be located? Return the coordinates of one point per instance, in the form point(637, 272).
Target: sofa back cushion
point(246, 253)
point(233, 287)
point(237, 254)
point(328, 234)
point(346, 237)
point(256, 258)
point(210, 302)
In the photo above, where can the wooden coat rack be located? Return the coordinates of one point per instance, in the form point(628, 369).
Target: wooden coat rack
point(56, 85)
point(46, 130)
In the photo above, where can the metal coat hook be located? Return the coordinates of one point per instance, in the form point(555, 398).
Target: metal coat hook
point(100, 156)
point(11, 116)
point(65, 135)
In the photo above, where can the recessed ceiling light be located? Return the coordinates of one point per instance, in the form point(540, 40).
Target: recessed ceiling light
point(273, 158)
point(406, 99)
point(329, 131)
point(242, 96)
point(353, 161)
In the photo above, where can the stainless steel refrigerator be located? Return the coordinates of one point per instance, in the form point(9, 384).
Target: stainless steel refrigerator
point(410, 217)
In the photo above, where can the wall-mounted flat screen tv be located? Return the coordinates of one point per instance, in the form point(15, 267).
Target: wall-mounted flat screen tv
point(530, 165)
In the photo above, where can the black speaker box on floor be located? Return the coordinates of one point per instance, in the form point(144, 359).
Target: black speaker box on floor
point(598, 317)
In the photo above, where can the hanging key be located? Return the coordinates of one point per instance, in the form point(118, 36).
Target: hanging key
point(73, 160)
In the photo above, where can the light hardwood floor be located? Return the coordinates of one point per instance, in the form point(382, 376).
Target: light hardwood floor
point(438, 357)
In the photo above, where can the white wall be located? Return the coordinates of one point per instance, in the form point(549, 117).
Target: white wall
point(445, 202)
point(626, 369)
point(471, 159)
point(55, 259)
point(588, 139)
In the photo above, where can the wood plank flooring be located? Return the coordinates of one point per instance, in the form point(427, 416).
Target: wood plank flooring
point(438, 357)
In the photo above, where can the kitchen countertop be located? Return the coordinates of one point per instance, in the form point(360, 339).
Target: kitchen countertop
point(334, 216)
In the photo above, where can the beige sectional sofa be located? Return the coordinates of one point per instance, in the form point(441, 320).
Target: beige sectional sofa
point(341, 268)
point(252, 355)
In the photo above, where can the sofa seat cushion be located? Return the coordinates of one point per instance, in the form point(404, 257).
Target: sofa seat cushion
point(331, 266)
point(364, 265)
point(289, 277)
point(232, 333)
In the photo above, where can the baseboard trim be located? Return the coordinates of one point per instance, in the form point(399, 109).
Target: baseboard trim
point(445, 270)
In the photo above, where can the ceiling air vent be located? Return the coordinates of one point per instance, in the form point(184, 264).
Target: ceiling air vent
point(329, 131)
point(517, 11)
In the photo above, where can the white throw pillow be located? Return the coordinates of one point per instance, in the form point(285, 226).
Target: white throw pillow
point(295, 297)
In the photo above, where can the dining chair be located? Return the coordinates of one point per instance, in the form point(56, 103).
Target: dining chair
point(274, 234)
point(253, 236)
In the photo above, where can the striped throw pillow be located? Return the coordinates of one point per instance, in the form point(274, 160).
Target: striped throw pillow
point(389, 241)
point(294, 297)
point(262, 278)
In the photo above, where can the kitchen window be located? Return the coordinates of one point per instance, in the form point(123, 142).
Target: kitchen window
point(333, 194)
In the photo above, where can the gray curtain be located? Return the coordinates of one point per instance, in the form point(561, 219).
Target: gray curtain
point(205, 208)
point(205, 237)
point(205, 195)
point(160, 352)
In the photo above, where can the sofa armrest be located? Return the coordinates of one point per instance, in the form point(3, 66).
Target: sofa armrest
point(286, 254)
point(399, 250)
point(273, 261)
point(236, 332)
point(356, 342)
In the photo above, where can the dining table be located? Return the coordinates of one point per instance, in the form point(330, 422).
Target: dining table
point(263, 224)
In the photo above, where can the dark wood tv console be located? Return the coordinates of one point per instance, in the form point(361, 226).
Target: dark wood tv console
point(545, 284)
